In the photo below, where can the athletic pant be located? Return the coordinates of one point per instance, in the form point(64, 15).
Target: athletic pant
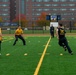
point(52, 34)
point(63, 42)
point(20, 37)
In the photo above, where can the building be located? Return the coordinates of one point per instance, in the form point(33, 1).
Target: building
point(33, 8)
point(12, 9)
point(65, 8)
point(5, 10)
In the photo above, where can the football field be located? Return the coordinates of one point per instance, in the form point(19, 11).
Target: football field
point(40, 56)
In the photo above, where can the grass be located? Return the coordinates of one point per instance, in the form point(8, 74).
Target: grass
point(53, 64)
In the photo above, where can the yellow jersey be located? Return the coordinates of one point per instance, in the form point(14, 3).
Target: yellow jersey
point(18, 32)
point(0, 38)
point(0, 34)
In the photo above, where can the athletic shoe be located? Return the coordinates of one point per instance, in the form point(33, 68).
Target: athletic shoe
point(71, 53)
point(24, 44)
point(65, 48)
point(13, 44)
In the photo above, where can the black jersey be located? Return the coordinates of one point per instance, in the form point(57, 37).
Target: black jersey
point(51, 29)
point(61, 33)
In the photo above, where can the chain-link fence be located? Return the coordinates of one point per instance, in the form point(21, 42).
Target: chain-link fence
point(9, 28)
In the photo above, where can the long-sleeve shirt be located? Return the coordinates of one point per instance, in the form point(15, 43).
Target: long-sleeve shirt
point(18, 32)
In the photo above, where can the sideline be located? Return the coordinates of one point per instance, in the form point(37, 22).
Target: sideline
point(42, 57)
point(7, 40)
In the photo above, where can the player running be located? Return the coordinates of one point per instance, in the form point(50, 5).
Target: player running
point(62, 39)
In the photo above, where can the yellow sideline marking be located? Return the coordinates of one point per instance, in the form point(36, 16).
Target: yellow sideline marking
point(42, 57)
point(46, 53)
point(45, 45)
point(7, 40)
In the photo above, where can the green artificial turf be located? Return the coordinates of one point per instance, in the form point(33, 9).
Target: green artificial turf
point(53, 64)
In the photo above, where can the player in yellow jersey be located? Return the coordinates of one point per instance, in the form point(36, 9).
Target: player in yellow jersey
point(18, 34)
point(0, 40)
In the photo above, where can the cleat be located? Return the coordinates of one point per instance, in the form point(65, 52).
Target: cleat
point(65, 48)
point(24, 44)
point(13, 45)
point(71, 53)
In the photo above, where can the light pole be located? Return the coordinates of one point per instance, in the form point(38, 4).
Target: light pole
point(19, 14)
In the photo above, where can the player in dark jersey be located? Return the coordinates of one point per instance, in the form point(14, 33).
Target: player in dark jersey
point(52, 31)
point(62, 39)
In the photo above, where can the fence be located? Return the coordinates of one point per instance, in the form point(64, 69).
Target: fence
point(10, 28)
